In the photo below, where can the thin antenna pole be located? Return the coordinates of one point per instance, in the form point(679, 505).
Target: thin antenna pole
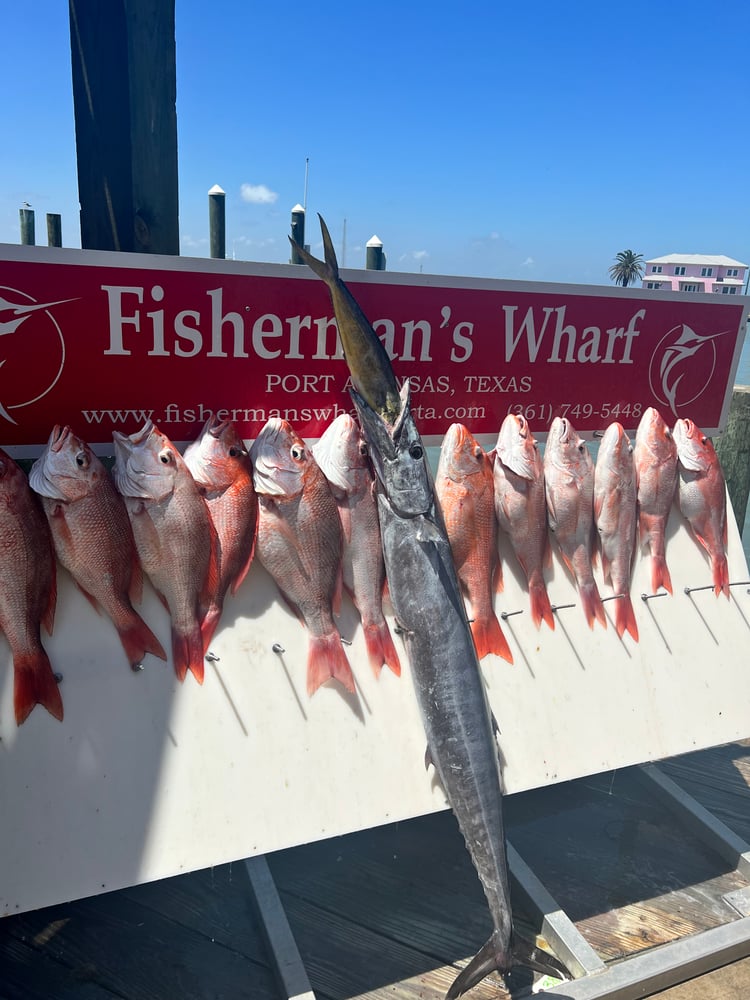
point(343, 246)
point(304, 200)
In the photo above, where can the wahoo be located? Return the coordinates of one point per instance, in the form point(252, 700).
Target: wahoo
point(426, 597)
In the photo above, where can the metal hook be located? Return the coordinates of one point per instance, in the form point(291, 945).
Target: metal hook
point(647, 597)
point(278, 648)
point(507, 614)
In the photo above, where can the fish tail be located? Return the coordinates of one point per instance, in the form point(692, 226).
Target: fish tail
point(541, 609)
point(494, 957)
point(491, 957)
point(187, 653)
point(625, 617)
point(489, 638)
point(592, 604)
point(34, 684)
point(326, 659)
point(327, 269)
point(137, 639)
point(660, 576)
point(380, 648)
point(721, 574)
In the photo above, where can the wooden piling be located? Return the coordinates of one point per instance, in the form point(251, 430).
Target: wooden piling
point(375, 258)
point(28, 235)
point(298, 233)
point(733, 449)
point(217, 222)
point(54, 230)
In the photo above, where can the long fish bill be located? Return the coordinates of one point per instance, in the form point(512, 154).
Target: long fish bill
point(368, 360)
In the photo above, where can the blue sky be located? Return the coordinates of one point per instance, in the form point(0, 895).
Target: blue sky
point(525, 141)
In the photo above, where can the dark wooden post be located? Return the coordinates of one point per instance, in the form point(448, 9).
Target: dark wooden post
point(28, 234)
point(124, 91)
point(733, 449)
point(54, 230)
point(374, 256)
point(298, 233)
point(217, 224)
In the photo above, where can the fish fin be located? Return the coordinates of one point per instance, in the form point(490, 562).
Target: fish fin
point(527, 953)
point(90, 598)
point(187, 654)
point(237, 582)
point(326, 659)
point(210, 588)
point(541, 609)
point(328, 269)
point(48, 618)
point(380, 648)
point(135, 588)
point(34, 684)
point(210, 622)
point(720, 573)
point(489, 638)
point(493, 957)
point(592, 604)
point(498, 584)
point(625, 617)
point(428, 761)
point(660, 576)
point(137, 639)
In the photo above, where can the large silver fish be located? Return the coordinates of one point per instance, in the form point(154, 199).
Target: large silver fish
point(425, 594)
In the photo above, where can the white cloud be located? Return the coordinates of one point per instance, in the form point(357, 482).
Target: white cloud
point(258, 194)
point(415, 255)
point(529, 262)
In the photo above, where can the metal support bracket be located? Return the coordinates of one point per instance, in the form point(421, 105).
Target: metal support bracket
point(290, 972)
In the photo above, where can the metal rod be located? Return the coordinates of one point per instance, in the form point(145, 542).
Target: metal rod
point(711, 586)
point(613, 597)
point(647, 597)
point(508, 614)
point(559, 607)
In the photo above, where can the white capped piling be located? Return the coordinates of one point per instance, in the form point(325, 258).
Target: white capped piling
point(28, 235)
point(217, 227)
point(298, 233)
point(375, 258)
point(54, 230)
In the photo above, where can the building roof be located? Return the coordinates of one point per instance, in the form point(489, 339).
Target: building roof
point(716, 259)
point(727, 281)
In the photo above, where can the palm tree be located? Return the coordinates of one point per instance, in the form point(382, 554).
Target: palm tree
point(627, 268)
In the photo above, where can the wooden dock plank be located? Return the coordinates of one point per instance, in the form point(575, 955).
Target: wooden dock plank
point(28, 974)
point(215, 902)
point(138, 954)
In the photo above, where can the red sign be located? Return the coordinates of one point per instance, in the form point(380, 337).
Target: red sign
point(103, 341)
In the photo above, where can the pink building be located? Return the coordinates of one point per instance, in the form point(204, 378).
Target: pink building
point(695, 272)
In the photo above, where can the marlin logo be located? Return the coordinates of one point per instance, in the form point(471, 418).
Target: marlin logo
point(41, 340)
point(682, 366)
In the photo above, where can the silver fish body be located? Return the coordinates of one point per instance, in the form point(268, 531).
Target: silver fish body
point(426, 597)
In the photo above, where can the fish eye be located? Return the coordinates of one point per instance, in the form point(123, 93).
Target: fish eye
point(416, 452)
point(704, 439)
point(234, 452)
point(297, 452)
point(582, 447)
point(81, 460)
point(363, 449)
point(478, 452)
point(165, 457)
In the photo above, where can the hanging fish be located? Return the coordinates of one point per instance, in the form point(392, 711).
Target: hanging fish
point(425, 593)
point(569, 485)
point(173, 534)
point(701, 496)
point(92, 536)
point(520, 508)
point(465, 493)
point(27, 592)
point(300, 544)
point(615, 517)
point(341, 454)
point(655, 457)
point(221, 467)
